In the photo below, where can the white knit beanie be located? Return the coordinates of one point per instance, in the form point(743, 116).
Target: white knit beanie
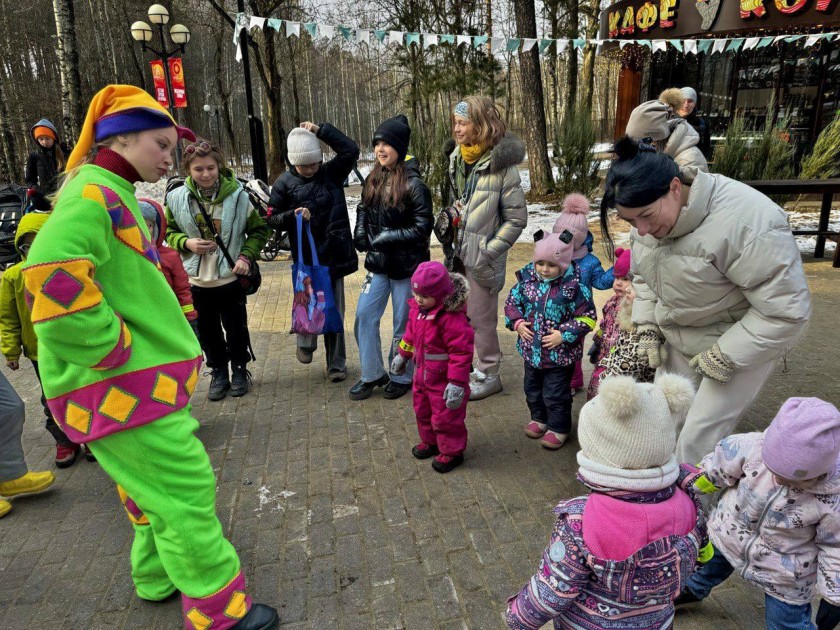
point(303, 147)
point(633, 426)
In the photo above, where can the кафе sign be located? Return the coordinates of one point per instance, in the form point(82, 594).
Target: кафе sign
point(674, 19)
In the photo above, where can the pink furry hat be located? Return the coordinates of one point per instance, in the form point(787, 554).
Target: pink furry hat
point(574, 218)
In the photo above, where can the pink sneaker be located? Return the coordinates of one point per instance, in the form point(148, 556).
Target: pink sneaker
point(553, 441)
point(535, 429)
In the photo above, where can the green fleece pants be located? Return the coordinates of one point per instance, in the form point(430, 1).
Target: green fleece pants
point(168, 488)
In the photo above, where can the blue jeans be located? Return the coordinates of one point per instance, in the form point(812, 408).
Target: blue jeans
point(778, 615)
point(376, 290)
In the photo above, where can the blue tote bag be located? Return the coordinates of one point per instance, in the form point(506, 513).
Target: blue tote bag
point(313, 307)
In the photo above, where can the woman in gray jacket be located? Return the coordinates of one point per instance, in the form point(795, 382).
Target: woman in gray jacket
point(721, 292)
point(484, 174)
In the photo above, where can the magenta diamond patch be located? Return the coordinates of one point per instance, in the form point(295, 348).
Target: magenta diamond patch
point(62, 288)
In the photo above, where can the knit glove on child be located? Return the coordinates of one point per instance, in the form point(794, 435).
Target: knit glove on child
point(594, 351)
point(454, 396)
point(398, 364)
point(712, 364)
point(651, 345)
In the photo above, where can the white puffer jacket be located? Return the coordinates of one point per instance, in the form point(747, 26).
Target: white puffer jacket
point(729, 272)
point(682, 146)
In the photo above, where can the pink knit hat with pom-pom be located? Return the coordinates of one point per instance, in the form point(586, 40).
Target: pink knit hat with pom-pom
point(574, 218)
point(621, 268)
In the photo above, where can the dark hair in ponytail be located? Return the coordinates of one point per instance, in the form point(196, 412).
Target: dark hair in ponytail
point(638, 176)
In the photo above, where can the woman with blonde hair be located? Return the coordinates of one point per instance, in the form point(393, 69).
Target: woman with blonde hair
point(491, 206)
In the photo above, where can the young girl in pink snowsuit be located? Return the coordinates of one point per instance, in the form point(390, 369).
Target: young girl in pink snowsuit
point(439, 338)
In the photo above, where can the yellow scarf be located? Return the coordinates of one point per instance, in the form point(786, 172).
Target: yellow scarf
point(472, 153)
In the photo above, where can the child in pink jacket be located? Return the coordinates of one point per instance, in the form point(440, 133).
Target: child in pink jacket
point(618, 557)
point(439, 338)
point(778, 519)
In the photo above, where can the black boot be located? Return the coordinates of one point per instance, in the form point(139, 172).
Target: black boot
point(219, 383)
point(686, 598)
point(260, 617)
point(362, 390)
point(240, 381)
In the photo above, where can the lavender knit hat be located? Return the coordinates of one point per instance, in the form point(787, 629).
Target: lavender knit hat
point(803, 441)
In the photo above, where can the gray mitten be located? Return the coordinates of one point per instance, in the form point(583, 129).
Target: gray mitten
point(398, 365)
point(454, 396)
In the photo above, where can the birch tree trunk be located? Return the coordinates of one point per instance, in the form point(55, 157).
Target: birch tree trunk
point(68, 63)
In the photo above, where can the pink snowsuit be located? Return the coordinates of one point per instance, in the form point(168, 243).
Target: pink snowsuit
point(441, 343)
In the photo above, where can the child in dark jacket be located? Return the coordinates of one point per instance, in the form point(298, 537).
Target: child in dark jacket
point(618, 557)
point(439, 338)
point(552, 312)
point(44, 165)
point(170, 260)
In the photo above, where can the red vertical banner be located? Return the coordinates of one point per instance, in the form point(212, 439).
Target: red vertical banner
point(179, 88)
point(160, 82)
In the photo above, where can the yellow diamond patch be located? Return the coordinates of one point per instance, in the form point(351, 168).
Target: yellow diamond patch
point(237, 606)
point(132, 236)
point(191, 382)
point(199, 620)
point(78, 417)
point(118, 405)
point(166, 390)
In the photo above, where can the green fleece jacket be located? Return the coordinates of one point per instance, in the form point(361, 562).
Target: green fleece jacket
point(256, 232)
point(16, 329)
point(114, 347)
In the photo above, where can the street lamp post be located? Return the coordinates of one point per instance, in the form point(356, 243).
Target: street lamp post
point(180, 36)
point(213, 110)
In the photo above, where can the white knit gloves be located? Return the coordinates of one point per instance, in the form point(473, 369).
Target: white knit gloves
point(712, 364)
point(651, 344)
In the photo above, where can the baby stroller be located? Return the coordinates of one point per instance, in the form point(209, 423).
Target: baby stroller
point(12, 204)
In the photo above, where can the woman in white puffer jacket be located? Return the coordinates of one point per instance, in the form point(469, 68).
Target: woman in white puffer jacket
point(721, 292)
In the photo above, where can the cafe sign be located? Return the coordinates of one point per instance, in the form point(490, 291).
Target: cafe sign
point(640, 19)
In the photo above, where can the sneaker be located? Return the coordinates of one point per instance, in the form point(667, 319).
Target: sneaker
point(336, 376)
point(89, 456)
point(396, 390)
point(219, 383)
point(553, 440)
point(444, 463)
point(65, 455)
point(362, 390)
point(491, 384)
point(686, 598)
point(5, 508)
point(303, 355)
point(259, 617)
point(240, 381)
point(425, 451)
point(30, 483)
point(535, 429)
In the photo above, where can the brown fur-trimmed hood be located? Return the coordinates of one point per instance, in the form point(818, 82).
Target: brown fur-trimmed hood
point(510, 151)
point(460, 293)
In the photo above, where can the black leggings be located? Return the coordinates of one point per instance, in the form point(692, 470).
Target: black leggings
point(223, 324)
point(55, 430)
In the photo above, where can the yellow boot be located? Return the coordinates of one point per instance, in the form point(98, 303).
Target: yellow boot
point(5, 508)
point(30, 483)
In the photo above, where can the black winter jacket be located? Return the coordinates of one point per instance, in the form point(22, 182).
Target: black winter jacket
point(701, 126)
point(41, 176)
point(323, 195)
point(397, 239)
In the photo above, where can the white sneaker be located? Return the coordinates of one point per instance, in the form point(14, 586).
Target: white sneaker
point(489, 385)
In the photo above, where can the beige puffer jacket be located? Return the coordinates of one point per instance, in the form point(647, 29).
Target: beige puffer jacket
point(729, 272)
point(682, 146)
point(495, 214)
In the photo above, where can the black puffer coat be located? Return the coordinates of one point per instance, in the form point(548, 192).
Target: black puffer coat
point(397, 239)
point(323, 195)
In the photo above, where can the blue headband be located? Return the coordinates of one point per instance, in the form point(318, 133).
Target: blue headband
point(462, 110)
point(129, 121)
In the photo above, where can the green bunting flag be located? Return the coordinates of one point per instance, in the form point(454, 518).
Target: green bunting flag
point(311, 28)
point(735, 44)
point(479, 41)
point(579, 43)
point(275, 24)
point(512, 45)
point(447, 39)
point(412, 38)
point(544, 44)
point(346, 32)
point(676, 43)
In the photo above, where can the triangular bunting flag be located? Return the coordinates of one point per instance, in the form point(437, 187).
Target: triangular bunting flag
point(256, 21)
point(412, 38)
point(463, 39)
point(347, 33)
point(690, 46)
point(658, 45)
point(363, 36)
point(512, 45)
point(704, 44)
point(326, 31)
point(720, 44)
point(676, 43)
point(562, 45)
point(380, 35)
point(643, 42)
point(765, 41)
point(396, 37)
point(793, 38)
point(528, 44)
point(293, 29)
point(275, 24)
point(735, 44)
point(751, 42)
point(623, 43)
point(544, 44)
point(241, 23)
point(312, 29)
point(429, 40)
point(778, 38)
point(579, 43)
point(479, 41)
point(497, 44)
point(447, 39)
point(811, 40)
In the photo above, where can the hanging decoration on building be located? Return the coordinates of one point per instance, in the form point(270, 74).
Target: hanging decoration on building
point(708, 10)
point(752, 7)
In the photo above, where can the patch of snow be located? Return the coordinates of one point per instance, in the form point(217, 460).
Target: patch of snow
point(271, 501)
point(810, 221)
point(341, 511)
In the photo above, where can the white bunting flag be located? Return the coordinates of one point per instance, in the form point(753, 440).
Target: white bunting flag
point(363, 36)
point(528, 44)
point(562, 45)
point(812, 39)
point(326, 31)
point(751, 43)
point(718, 46)
point(256, 21)
point(497, 44)
point(658, 44)
point(463, 39)
point(690, 46)
point(429, 40)
point(293, 29)
point(396, 37)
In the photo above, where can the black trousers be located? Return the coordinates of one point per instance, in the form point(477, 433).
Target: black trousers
point(548, 392)
point(223, 324)
point(58, 435)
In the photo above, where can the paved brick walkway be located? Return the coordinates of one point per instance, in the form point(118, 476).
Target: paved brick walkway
point(335, 522)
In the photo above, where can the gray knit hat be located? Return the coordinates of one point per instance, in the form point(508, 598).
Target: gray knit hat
point(649, 120)
point(303, 147)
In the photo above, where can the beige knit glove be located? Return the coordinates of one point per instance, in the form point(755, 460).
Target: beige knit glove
point(712, 364)
point(651, 344)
